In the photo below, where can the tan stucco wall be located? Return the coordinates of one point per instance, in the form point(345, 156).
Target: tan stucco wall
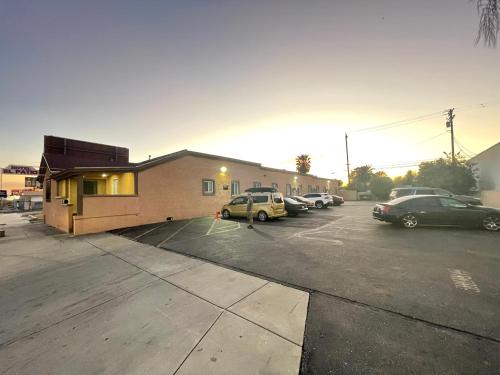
point(491, 198)
point(174, 189)
point(56, 213)
point(105, 213)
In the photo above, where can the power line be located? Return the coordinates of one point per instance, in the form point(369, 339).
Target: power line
point(394, 124)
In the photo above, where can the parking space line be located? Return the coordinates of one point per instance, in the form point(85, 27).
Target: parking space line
point(238, 226)
point(463, 280)
point(149, 231)
point(211, 227)
point(175, 233)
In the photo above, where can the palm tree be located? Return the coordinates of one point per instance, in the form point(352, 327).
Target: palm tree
point(303, 163)
point(361, 177)
point(488, 21)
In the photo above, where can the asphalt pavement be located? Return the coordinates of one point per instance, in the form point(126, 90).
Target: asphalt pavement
point(383, 299)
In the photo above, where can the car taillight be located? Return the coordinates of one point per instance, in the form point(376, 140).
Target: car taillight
point(386, 209)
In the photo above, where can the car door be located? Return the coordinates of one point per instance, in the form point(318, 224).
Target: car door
point(239, 206)
point(431, 211)
point(460, 213)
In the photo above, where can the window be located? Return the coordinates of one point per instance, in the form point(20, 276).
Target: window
point(309, 189)
point(274, 185)
point(114, 186)
point(235, 188)
point(424, 192)
point(278, 198)
point(257, 184)
point(260, 198)
point(317, 188)
point(299, 190)
point(288, 189)
point(450, 202)
point(443, 192)
point(208, 187)
point(403, 192)
point(90, 187)
point(47, 190)
point(239, 200)
point(30, 182)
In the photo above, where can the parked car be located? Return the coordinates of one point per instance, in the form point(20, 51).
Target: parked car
point(404, 191)
point(365, 195)
point(309, 203)
point(294, 207)
point(320, 200)
point(337, 200)
point(266, 205)
point(415, 210)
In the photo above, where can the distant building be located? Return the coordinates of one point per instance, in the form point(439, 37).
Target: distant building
point(91, 187)
point(16, 179)
point(486, 167)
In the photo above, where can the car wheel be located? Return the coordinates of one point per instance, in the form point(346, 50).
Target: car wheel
point(226, 214)
point(491, 222)
point(318, 204)
point(262, 216)
point(409, 221)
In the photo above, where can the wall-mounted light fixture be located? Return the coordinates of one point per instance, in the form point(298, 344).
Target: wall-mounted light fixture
point(104, 175)
point(223, 169)
point(295, 178)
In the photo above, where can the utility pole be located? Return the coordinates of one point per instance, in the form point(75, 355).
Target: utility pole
point(347, 156)
point(449, 124)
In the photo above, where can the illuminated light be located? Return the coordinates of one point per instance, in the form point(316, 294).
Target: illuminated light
point(104, 175)
point(295, 178)
point(223, 169)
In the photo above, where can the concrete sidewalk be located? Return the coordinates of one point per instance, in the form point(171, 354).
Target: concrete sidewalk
point(105, 304)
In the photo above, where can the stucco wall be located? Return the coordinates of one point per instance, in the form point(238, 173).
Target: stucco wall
point(491, 198)
point(487, 165)
point(105, 213)
point(56, 213)
point(174, 189)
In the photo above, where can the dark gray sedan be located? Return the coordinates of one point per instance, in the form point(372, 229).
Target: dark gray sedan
point(415, 210)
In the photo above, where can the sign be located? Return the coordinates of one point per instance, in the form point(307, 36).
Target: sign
point(20, 169)
point(3, 193)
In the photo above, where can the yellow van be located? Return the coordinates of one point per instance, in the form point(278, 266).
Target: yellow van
point(266, 205)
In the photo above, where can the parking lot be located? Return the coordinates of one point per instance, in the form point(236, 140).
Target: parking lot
point(383, 299)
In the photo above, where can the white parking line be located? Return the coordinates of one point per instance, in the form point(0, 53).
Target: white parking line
point(175, 233)
point(463, 280)
point(211, 227)
point(310, 234)
point(149, 231)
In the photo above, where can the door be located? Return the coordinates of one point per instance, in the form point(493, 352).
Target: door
point(432, 211)
point(239, 206)
point(460, 213)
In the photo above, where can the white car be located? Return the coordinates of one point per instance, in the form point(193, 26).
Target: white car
point(321, 200)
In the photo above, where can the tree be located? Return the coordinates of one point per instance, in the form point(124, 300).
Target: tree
point(303, 163)
point(339, 182)
point(360, 177)
point(488, 21)
point(381, 174)
point(456, 177)
point(381, 186)
point(407, 180)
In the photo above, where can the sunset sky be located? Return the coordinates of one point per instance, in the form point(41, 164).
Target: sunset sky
point(257, 80)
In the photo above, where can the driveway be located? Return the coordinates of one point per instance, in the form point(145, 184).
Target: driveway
point(383, 299)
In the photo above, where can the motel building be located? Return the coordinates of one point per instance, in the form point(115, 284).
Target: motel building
point(90, 187)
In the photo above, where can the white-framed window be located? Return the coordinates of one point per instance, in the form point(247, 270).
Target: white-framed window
point(235, 188)
point(208, 187)
point(257, 184)
point(114, 186)
point(274, 185)
point(309, 189)
point(288, 190)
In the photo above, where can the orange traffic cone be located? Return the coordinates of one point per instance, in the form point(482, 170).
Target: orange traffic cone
point(217, 215)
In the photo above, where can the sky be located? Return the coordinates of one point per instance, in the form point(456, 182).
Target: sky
point(262, 80)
